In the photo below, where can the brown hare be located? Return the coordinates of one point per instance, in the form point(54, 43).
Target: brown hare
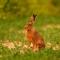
point(33, 36)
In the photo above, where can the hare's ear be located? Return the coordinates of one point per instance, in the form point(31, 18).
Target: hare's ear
point(34, 16)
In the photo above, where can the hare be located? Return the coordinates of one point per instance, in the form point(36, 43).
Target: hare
point(33, 36)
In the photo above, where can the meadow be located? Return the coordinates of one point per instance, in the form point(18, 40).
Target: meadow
point(11, 30)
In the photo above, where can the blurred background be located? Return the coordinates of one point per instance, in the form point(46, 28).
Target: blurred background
point(22, 8)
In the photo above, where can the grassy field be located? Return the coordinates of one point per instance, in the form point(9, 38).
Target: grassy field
point(47, 26)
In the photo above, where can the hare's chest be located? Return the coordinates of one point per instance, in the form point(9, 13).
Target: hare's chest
point(30, 35)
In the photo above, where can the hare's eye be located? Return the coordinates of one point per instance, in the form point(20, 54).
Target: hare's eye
point(28, 29)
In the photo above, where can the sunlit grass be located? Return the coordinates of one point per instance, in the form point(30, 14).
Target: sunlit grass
point(11, 29)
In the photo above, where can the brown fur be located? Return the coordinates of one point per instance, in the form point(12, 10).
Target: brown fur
point(33, 36)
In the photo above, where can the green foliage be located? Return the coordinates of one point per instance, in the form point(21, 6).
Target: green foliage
point(56, 3)
point(19, 7)
point(27, 7)
point(10, 7)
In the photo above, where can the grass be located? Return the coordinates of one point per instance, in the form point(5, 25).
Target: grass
point(10, 29)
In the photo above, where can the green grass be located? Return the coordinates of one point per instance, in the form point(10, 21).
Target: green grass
point(16, 24)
